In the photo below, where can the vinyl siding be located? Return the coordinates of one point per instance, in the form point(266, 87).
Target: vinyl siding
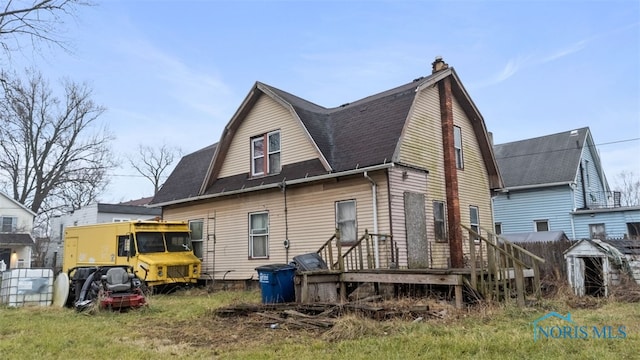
point(310, 221)
point(267, 115)
point(422, 147)
point(593, 182)
point(518, 210)
point(473, 179)
point(615, 222)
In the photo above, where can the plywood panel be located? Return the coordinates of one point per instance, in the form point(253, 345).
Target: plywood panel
point(415, 223)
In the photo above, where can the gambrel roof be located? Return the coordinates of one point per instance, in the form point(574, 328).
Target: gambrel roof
point(356, 135)
point(545, 160)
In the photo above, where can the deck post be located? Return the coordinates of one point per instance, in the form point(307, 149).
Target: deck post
point(536, 279)
point(304, 296)
point(458, 292)
point(472, 255)
point(519, 284)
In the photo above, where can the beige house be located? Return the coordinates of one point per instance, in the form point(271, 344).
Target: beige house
point(16, 242)
point(409, 164)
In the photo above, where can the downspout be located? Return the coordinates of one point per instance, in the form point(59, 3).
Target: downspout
point(374, 196)
point(584, 190)
point(286, 222)
point(573, 198)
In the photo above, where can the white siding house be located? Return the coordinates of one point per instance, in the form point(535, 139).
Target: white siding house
point(16, 242)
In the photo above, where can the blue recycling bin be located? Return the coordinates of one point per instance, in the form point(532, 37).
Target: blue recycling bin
point(276, 283)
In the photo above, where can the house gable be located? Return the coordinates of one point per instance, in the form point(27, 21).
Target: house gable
point(12, 208)
point(262, 112)
point(267, 115)
point(421, 140)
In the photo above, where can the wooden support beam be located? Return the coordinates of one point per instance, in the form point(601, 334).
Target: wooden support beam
point(519, 285)
point(403, 278)
point(459, 300)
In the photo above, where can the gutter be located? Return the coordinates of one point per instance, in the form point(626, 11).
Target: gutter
point(374, 195)
point(277, 185)
point(536, 186)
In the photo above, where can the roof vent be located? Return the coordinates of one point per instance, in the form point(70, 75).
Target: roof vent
point(573, 133)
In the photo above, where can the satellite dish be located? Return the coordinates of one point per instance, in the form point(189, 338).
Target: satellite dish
point(60, 290)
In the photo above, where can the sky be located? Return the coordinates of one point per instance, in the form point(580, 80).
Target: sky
point(175, 72)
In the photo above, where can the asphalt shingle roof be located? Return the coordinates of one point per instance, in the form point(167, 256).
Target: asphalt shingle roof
point(542, 160)
point(187, 178)
point(351, 136)
point(16, 239)
point(358, 134)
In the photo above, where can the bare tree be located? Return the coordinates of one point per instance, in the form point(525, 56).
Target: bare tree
point(38, 21)
point(51, 145)
point(628, 184)
point(152, 163)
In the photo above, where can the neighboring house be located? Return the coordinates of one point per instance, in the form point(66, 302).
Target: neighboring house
point(94, 214)
point(16, 242)
point(593, 266)
point(287, 172)
point(556, 183)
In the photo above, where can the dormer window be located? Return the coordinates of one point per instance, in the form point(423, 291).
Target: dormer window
point(265, 159)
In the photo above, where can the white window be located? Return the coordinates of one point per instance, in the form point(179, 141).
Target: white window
point(9, 223)
point(541, 225)
point(120, 219)
point(439, 222)
point(259, 235)
point(346, 221)
point(196, 227)
point(474, 221)
point(457, 143)
point(261, 165)
point(597, 231)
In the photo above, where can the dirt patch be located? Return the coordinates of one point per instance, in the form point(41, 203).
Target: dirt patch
point(247, 325)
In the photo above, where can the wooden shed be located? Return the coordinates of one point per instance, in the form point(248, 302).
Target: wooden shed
point(593, 265)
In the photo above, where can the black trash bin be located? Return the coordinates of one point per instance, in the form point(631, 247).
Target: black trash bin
point(309, 262)
point(276, 283)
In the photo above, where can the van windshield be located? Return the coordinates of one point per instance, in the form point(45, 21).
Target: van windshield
point(178, 241)
point(150, 242)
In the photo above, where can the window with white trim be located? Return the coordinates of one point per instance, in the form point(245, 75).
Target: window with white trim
point(474, 222)
point(259, 235)
point(9, 224)
point(597, 231)
point(457, 143)
point(346, 221)
point(541, 225)
point(439, 221)
point(265, 154)
point(197, 237)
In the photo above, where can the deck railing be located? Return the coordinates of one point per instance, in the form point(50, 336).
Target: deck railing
point(362, 254)
point(500, 274)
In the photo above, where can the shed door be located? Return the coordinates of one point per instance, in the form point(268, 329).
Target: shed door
point(415, 224)
point(578, 276)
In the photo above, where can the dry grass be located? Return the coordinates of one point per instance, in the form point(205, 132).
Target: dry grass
point(183, 325)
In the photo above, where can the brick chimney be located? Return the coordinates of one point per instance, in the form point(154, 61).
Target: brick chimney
point(438, 65)
point(450, 168)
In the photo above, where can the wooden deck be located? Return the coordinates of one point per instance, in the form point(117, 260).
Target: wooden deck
point(496, 270)
point(335, 279)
